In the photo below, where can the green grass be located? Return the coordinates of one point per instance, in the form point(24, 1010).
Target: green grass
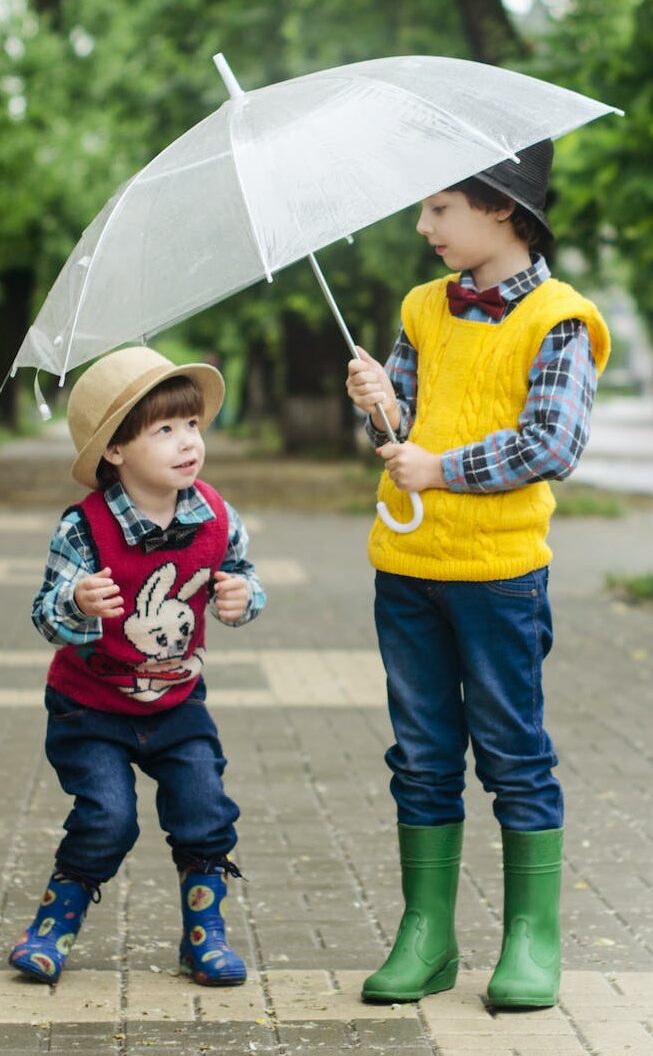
point(576, 500)
point(635, 589)
point(573, 500)
point(27, 426)
point(262, 439)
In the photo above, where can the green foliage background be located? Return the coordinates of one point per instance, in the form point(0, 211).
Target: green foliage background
point(603, 172)
point(90, 92)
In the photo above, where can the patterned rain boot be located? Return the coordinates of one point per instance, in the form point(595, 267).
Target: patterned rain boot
point(204, 952)
point(528, 972)
point(42, 950)
point(424, 958)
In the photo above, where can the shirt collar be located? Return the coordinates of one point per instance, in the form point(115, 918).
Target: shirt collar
point(517, 286)
point(191, 508)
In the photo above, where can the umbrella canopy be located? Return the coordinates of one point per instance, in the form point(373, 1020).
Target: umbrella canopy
point(276, 174)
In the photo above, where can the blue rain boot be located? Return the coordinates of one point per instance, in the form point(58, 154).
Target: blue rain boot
point(41, 951)
point(204, 952)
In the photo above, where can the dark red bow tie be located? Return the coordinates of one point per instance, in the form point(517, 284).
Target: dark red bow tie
point(461, 297)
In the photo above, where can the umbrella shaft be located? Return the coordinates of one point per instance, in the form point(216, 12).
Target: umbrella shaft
point(330, 299)
point(386, 424)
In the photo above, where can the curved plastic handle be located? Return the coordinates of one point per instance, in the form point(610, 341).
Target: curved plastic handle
point(400, 526)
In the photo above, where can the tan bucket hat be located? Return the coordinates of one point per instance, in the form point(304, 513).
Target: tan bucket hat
point(108, 390)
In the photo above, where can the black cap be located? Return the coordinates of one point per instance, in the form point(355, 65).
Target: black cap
point(525, 182)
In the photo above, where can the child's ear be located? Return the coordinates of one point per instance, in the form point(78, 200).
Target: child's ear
point(113, 455)
point(504, 214)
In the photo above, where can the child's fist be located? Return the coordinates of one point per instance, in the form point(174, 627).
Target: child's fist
point(98, 595)
point(231, 596)
point(368, 384)
point(411, 467)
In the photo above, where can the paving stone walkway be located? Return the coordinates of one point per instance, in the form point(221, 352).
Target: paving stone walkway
point(619, 454)
point(298, 697)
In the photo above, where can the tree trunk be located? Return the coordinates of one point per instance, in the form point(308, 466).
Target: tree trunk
point(316, 412)
point(490, 34)
point(382, 321)
point(259, 396)
point(16, 285)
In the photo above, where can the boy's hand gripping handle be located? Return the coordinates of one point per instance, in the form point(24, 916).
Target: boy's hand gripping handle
point(402, 527)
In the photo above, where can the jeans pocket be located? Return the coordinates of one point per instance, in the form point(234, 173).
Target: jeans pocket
point(197, 693)
point(525, 586)
point(62, 708)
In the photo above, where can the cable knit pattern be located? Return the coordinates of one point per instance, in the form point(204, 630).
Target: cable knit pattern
point(472, 381)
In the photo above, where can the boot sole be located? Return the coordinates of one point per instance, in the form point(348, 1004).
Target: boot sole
point(218, 982)
point(445, 979)
point(190, 974)
point(533, 1002)
point(33, 973)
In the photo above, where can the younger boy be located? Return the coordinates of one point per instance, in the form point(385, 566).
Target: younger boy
point(493, 377)
point(129, 574)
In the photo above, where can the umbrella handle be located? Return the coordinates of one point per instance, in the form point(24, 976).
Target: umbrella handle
point(400, 526)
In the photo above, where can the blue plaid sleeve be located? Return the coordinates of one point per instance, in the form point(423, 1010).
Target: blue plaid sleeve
point(553, 427)
point(54, 612)
point(236, 564)
point(401, 368)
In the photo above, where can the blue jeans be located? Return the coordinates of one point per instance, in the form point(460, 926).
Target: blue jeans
point(464, 662)
point(94, 752)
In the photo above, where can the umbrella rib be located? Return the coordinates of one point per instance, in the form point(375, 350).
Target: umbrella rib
point(257, 241)
point(115, 209)
point(138, 178)
point(470, 129)
point(185, 168)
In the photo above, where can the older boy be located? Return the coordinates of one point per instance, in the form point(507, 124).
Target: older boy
point(492, 377)
point(129, 574)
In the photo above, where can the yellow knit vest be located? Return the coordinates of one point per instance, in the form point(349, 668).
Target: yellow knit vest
point(472, 380)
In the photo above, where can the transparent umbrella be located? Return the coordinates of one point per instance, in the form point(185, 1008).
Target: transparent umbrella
point(274, 175)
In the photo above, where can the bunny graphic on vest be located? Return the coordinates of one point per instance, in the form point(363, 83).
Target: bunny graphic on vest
point(161, 628)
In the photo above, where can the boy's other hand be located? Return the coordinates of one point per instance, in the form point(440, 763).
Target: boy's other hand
point(368, 384)
point(411, 467)
point(231, 596)
point(98, 595)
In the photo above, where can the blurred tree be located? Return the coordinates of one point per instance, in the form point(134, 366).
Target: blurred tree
point(491, 35)
point(68, 140)
point(602, 173)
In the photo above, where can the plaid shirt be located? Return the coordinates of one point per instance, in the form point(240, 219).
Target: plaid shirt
point(55, 613)
point(553, 426)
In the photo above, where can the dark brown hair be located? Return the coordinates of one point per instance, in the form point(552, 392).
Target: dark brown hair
point(178, 397)
point(526, 226)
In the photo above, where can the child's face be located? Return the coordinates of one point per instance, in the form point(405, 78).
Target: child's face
point(464, 236)
point(165, 457)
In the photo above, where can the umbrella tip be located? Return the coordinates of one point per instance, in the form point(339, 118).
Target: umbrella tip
point(230, 82)
point(41, 402)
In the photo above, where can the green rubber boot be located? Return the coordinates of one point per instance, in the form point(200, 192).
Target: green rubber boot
point(424, 958)
point(528, 972)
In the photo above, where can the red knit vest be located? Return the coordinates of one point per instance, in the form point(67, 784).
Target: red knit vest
point(151, 658)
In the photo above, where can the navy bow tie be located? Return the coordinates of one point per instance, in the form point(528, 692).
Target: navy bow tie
point(174, 537)
point(461, 297)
